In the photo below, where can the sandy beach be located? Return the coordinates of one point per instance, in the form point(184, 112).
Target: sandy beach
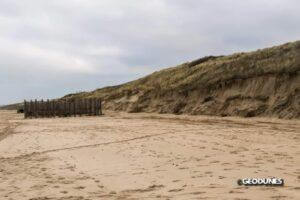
point(146, 156)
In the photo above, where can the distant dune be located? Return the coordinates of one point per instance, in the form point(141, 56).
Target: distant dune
point(260, 83)
point(15, 106)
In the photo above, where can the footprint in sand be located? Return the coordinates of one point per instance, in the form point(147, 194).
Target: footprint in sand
point(113, 192)
point(79, 187)
point(175, 190)
point(43, 169)
point(197, 193)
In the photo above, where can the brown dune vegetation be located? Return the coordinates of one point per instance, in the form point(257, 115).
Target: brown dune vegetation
point(260, 83)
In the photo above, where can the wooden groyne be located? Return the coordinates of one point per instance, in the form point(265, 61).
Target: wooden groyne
point(62, 108)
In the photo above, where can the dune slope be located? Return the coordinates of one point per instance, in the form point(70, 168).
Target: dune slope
point(260, 83)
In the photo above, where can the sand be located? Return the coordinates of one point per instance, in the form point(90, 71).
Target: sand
point(146, 156)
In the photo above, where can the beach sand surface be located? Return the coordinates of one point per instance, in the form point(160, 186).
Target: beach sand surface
point(146, 156)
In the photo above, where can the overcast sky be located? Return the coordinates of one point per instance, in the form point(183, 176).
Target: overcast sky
point(49, 48)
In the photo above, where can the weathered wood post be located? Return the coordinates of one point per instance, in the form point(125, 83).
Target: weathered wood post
point(25, 109)
point(74, 107)
point(71, 108)
point(96, 107)
point(68, 109)
point(31, 109)
point(35, 108)
point(91, 106)
point(100, 106)
point(65, 108)
point(47, 108)
point(80, 107)
point(51, 109)
point(87, 106)
point(59, 108)
point(84, 105)
point(42, 108)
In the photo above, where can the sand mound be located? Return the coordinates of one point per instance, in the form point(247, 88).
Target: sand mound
point(261, 83)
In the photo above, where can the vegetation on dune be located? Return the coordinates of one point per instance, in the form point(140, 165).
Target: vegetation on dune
point(275, 60)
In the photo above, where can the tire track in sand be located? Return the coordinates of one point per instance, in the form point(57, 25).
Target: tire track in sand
point(84, 146)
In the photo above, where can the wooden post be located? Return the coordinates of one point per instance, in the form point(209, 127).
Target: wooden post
point(74, 107)
point(71, 108)
point(48, 108)
point(56, 108)
point(68, 108)
point(28, 108)
point(39, 108)
point(79, 107)
point(91, 109)
point(25, 110)
point(32, 114)
point(53, 108)
point(36, 108)
point(62, 104)
point(84, 105)
point(59, 108)
point(42, 108)
point(95, 106)
point(31, 109)
point(87, 106)
point(65, 108)
point(100, 106)
point(90, 106)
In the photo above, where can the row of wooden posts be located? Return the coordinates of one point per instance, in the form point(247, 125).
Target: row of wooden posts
point(62, 108)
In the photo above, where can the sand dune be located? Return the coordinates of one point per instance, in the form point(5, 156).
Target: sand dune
point(264, 83)
point(146, 156)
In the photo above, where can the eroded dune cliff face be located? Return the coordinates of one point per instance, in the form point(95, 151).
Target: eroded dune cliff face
point(261, 83)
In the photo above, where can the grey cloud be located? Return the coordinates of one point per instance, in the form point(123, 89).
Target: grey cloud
point(50, 48)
